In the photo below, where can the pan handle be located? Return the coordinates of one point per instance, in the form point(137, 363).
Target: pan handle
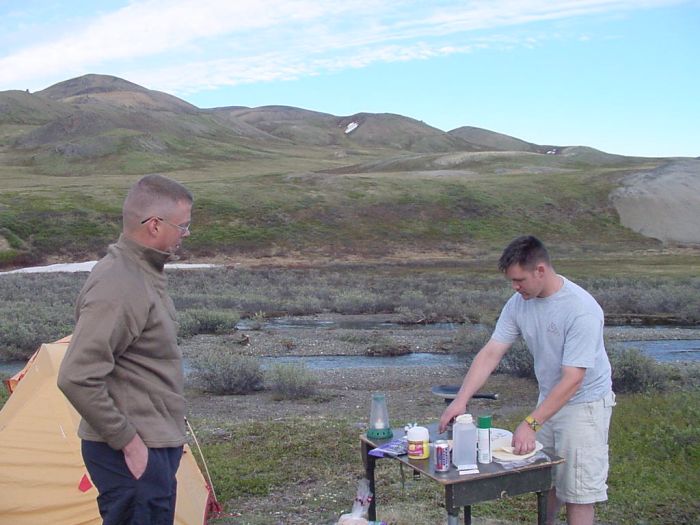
point(485, 395)
point(449, 392)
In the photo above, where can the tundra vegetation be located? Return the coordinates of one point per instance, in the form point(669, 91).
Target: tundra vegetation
point(36, 308)
point(655, 418)
point(394, 218)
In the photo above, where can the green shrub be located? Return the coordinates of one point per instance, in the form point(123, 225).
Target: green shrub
point(292, 381)
point(12, 240)
point(257, 321)
point(649, 297)
point(387, 347)
point(8, 257)
point(517, 362)
point(356, 338)
point(34, 309)
point(633, 371)
point(410, 315)
point(23, 330)
point(4, 394)
point(220, 371)
point(685, 376)
point(469, 340)
point(357, 301)
point(203, 321)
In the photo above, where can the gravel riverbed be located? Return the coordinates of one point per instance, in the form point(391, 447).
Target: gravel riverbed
point(348, 391)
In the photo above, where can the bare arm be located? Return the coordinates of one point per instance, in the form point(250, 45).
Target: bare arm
point(483, 365)
point(568, 385)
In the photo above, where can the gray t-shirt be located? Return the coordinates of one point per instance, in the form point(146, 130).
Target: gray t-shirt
point(564, 329)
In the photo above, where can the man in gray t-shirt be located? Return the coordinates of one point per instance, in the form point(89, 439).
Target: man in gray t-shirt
point(565, 328)
point(562, 325)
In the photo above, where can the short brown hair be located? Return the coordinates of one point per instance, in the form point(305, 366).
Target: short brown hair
point(152, 195)
point(526, 251)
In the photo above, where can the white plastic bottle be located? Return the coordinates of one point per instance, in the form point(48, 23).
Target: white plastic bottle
point(464, 443)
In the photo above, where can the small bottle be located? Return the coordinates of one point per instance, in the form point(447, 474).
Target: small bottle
point(464, 443)
point(484, 439)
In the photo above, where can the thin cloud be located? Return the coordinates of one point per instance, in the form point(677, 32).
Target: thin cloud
point(284, 66)
point(187, 46)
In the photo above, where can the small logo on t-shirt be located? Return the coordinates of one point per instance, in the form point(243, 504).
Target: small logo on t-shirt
point(552, 328)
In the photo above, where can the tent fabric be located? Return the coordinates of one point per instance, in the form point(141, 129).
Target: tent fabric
point(43, 479)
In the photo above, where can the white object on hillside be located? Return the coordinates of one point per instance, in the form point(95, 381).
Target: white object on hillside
point(87, 266)
point(63, 267)
point(351, 127)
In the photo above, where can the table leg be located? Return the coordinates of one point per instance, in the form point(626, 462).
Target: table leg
point(453, 510)
point(370, 462)
point(542, 498)
point(468, 515)
point(453, 519)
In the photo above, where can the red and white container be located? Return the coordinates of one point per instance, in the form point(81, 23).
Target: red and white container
point(442, 456)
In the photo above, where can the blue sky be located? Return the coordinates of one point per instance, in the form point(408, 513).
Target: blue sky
point(618, 75)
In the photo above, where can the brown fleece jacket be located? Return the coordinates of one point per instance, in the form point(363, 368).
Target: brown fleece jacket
point(123, 368)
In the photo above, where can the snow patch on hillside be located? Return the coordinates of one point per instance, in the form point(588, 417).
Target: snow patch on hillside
point(87, 266)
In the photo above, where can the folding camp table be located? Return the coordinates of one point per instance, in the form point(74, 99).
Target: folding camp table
point(492, 482)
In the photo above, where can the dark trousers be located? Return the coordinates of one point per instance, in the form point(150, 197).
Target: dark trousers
point(124, 500)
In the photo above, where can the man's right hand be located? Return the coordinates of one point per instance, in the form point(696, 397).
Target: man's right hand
point(453, 410)
point(136, 456)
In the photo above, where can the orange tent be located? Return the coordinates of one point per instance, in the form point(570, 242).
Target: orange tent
point(43, 479)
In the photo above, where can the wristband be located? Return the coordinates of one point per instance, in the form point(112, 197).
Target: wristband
point(532, 422)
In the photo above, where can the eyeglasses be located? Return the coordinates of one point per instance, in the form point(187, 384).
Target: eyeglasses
point(183, 229)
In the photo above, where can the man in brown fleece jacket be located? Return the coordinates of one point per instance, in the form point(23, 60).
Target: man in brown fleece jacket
point(123, 369)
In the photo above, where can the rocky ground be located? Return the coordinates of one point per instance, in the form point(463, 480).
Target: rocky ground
point(348, 390)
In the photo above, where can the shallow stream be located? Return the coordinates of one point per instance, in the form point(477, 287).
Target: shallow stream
point(662, 350)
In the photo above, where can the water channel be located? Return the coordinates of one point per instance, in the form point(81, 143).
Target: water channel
point(667, 350)
point(662, 350)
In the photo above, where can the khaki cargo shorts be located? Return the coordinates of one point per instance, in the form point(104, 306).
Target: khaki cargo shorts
point(579, 434)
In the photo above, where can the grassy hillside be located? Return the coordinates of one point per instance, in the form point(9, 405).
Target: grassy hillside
point(282, 206)
point(287, 182)
point(496, 141)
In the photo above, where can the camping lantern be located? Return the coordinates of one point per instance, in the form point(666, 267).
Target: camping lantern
point(379, 427)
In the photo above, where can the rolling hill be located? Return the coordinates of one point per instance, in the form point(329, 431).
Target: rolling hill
point(492, 140)
point(98, 116)
point(112, 91)
point(296, 183)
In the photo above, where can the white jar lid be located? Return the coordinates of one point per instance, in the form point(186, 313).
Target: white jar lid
point(418, 434)
point(464, 418)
